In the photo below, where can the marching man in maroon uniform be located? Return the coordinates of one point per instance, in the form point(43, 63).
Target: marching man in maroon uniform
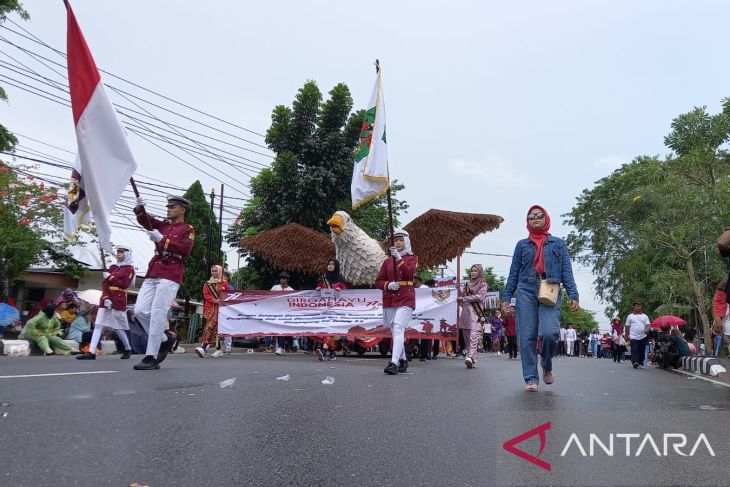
point(113, 303)
point(399, 297)
point(173, 240)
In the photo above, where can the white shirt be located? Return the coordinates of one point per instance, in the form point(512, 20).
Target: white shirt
point(570, 334)
point(278, 287)
point(637, 324)
point(562, 334)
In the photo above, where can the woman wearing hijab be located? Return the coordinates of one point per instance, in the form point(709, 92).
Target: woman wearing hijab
point(331, 279)
point(539, 258)
point(472, 314)
point(112, 312)
point(44, 329)
point(212, 290)
point(395, 278)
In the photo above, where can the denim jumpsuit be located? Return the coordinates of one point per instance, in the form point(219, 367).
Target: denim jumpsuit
point(533, 318)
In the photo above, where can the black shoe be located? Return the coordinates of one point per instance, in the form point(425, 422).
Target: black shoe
point(126, 354)
point(428, 357)
point(402, 366)
point(86, 356)
point(636, 365)
point(391, 369)
point(165, 347)
point(422, 359)
point(435, 357)
point(147, 363)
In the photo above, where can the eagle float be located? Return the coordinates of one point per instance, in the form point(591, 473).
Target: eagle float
point(437, 237)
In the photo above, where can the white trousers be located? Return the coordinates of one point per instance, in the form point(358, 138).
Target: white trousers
point(571, 345)
point(153, 302)
point(398, 319)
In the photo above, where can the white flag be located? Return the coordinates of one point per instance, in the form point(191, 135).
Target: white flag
point(370, 176)
point(106, 161)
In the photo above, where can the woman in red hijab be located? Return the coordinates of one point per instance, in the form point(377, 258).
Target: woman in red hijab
point(539, 261)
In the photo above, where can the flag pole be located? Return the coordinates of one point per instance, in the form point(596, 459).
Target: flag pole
point(103, 258)
point(388, 198)
point(220, 229)
point(136, 195)
point(458, 293)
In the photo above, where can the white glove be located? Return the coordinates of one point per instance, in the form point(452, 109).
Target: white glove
point(140, 201)
point(394, 286)
point(394, 252)
point(154, 235)
point(107, 304)
point(105, 275)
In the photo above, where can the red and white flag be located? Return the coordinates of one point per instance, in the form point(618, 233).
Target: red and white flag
point(106, 161)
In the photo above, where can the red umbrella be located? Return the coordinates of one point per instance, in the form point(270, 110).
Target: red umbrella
point(668, 320)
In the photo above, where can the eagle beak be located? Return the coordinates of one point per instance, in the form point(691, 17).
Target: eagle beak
point(337, 224)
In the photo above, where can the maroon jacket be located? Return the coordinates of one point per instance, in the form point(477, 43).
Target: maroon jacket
point(114, 287)
point(406, 295)
point(510, 329)
point(176, 244)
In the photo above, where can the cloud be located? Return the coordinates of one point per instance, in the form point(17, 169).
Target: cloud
point(494, 171)
point(611, 161)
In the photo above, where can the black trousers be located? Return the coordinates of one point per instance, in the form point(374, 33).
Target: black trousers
point(424, 348)
point(487, 341)
point(638, 349)
point(512, 346)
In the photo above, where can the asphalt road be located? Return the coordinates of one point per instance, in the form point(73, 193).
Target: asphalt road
point(439, 424)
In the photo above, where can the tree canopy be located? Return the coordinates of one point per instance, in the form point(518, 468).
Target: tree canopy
point(197, 266)
point(309, 179)
point(649, 228)
point(31, 227)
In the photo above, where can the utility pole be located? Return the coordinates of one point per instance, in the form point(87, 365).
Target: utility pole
point(208, 260)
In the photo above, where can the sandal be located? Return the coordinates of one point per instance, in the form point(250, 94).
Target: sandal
point(531, 387)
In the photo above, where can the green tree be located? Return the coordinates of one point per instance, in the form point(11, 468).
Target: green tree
point(309, 179)
point(197, 267)
point(31, 222)
point(649, 228)
point(581, 319)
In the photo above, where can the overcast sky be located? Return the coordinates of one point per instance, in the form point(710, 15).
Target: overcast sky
point(491, 106)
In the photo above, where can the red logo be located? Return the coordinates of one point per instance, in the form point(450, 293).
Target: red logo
point(509, 445)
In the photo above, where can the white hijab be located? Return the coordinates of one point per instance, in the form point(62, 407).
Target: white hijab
point(406, 241)
point(128, 260)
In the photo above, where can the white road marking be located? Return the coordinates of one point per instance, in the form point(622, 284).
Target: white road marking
point(54, 375)
point(701, 377)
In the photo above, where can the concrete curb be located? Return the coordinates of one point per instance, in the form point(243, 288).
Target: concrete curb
point(701, 365)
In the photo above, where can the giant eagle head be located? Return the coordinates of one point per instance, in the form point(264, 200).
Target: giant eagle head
point(339, 222)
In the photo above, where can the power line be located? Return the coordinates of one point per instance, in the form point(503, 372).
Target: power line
point(176, 143)
point(35, 39)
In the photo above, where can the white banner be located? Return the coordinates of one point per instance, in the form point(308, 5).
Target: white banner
point(354, 312)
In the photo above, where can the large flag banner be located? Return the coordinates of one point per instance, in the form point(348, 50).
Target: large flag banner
point(356, 313)
point(106, 161)
point(370, 176)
